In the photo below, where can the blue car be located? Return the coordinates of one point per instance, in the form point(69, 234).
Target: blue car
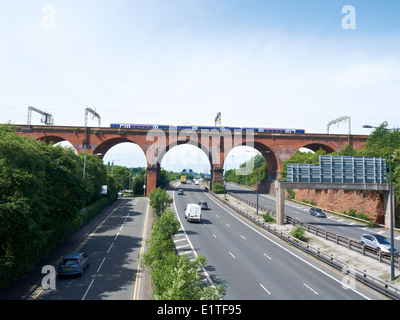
point(73, 263)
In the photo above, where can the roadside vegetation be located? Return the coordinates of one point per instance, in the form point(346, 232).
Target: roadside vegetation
point(299, 233)
point(377, 145)
point(175, 277)
point(135, 178)
point(42, 194)
point(250, 179)
point(218, 188)
point(268, 218)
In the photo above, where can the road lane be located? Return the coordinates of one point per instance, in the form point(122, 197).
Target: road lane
point(113, 248)
point(252, 262)
point(345, 227)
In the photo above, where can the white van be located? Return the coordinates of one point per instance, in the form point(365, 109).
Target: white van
point(193, 212)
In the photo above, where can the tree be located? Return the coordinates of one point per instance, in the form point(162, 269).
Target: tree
point(250, 179)
point(218, 188)
point(175, 277)
point(138, 183)
point(302, 157)
point(122, 175)
point(159, 200)
point(95, 177)
point(41, 195)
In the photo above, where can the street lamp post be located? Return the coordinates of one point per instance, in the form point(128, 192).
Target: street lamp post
point(257, 192)
point(84, 163)
point(392, 275)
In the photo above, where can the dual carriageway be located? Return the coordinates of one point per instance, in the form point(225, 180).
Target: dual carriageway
point(252, 263)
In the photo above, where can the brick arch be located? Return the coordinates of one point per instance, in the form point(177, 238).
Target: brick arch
point(316, 146)
point(50, 139)
point(268, 154)
point(55, 139)
point(174, 144)
point(106, 145)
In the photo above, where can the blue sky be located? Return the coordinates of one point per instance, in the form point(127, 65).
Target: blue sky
point(261, 63)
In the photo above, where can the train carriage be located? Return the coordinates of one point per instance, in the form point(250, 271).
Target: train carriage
point(188, 127)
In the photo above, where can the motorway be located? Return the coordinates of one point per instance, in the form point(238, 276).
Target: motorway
point(254, 264)
point(113, 248)
point(345, 227)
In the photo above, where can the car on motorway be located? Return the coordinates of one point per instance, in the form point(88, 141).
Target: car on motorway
point(379, 242)
point(317, 213)
point(180, 191)
point(193, 212)
point(203, 205)
point(73, 263)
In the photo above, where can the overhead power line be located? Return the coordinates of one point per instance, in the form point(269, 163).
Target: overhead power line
point(95, 115)
point(338, 121)
point(47, 118)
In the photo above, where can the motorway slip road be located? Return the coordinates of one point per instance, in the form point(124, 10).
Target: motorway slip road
point(333, 223)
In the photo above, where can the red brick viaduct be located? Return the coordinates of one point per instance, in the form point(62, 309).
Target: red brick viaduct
point(275, 147)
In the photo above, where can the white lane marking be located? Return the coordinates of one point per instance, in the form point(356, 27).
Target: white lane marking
point(214, 236)
point(101, 264)
point(267, 256)
point(310, 288)
point(184, 246)
point(108, 251)
point(265, 289)
point(190, 243)
point(116, 236)
point(232, 255)
point(179, 240)
point(84, 296)
point(288, 251)
point(242, 237)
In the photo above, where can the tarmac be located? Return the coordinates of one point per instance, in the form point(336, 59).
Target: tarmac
point(367, 264)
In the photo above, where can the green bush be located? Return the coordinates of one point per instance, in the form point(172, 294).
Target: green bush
point(174, 277)
point(360, 215)
point(160, 200)
point(218, 188)
point(299, 233)
point(268, 217)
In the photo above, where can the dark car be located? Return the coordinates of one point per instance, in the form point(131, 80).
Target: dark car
point(317, 213)
point(73, 263)
point(180, 191)
point(203, 205)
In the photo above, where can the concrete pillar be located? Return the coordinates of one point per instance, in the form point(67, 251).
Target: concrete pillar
point(280, 203)
point(387, 201)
